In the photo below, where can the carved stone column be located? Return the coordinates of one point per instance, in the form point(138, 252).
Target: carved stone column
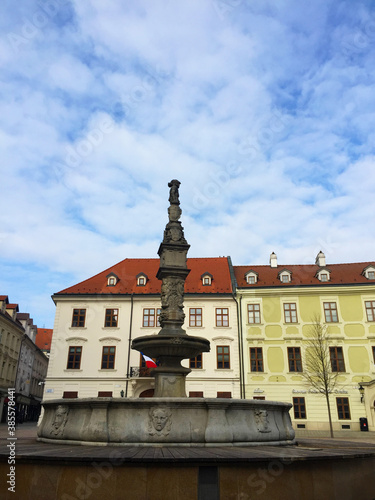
point(172, 344)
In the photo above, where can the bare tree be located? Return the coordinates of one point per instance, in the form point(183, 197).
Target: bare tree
point(318, 372)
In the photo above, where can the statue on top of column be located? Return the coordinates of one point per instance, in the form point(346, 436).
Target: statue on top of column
point(173, 193)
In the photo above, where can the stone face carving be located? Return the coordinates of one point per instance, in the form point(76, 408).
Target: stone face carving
point(60, 419)
point(261, 420)
point(160, 421)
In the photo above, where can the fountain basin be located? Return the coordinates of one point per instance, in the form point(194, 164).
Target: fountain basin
point(166, 421)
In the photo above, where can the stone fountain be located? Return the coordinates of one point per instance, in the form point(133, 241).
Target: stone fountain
point(169, 418)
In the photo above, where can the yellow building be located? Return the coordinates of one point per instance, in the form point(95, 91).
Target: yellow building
point(277, 307)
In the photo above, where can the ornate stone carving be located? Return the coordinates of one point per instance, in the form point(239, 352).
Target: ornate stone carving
point(160, 421)
point(173, 192)
point(60, 419)
point(172, 300)
point(261, 420)
point(174, 233)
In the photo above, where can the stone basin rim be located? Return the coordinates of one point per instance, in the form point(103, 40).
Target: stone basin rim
point(172, 401)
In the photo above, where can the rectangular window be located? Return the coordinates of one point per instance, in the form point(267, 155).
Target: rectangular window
point(299, 407)
point(224, 394)
point(79, 316)
point(195, 394)
point(295, 360)
point(373, 353)
point(337, 359)
point(330, 312)
point(74, 358)
point(108, 358)
point(196, 362)
point(253, 313)
point(370, 310)
point(222, 316)
point(256, 359)
point(148, 317)
point(70, 394)
point(290, 313)
point(111, 317)
point(343, 409)
point(195, 316)
point(223, 356)
point(104, 394)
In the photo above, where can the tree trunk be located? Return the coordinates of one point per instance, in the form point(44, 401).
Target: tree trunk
point(329, 414)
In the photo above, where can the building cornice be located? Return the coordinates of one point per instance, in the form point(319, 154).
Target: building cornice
point(307, 289)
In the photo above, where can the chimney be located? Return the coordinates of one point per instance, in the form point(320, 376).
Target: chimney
point(273, 260)
point(320, 259)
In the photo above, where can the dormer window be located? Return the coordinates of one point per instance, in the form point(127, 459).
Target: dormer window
point(251, 277)
point(141, 279)
point(285, 276)
point(323, 274)
point(369, 272)
point(206, 279)
point(112, 279)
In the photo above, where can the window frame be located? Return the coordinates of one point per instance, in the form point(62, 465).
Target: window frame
point(77, 357)
point(256, 362)
point(106, 358)
point(194, 362)
point(155, 315)
point(343, 408)
point(252, 316)
point(109, 317)
point(222, 365)
point(330, 312)
point(220, 317)
point(77, 318)
point(299, 407)
point(295, 362)
point(293, 316)
point(370, 309)
point(195, 317)
point(337, 362)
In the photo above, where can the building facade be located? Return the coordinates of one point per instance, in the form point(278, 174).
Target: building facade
point(257, 318)
point(11, 334)
point(278, 307)
point(23, 366)
point(97, 320)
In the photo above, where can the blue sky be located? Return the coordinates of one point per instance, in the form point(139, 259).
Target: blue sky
point(265, 111)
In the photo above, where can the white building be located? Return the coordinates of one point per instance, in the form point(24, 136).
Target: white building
point(97, 319)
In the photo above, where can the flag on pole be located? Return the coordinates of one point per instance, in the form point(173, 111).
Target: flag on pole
point(150, 363)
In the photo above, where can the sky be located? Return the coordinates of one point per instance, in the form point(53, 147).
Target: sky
point(263, 110)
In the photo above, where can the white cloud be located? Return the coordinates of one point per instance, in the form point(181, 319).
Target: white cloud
point(264, 112)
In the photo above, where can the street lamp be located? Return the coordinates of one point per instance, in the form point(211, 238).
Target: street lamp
point(362, 392)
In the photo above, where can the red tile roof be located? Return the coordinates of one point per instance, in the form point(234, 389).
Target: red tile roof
point(128, 269)
point(12, 306)
point(43, 338)
point(340, 274)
